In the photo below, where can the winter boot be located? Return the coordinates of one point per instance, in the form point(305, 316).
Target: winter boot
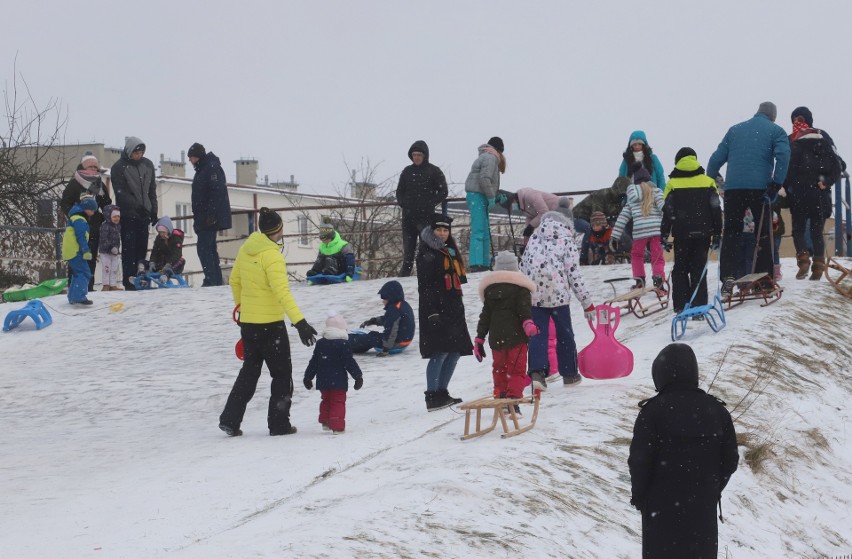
point(572, 381)
point(640, 283)
point(435, 400)
point(658, 284)
point(291, 431)
point(818, 268)
point(803, 260)
point(446, 395)
point(776, 272)
point(230, 431)
point(106, 288)
point(538, 381)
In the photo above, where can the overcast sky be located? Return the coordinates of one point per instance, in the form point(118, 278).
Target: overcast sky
point(309, 87)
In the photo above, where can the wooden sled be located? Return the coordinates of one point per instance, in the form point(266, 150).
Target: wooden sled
point(749, 288)
point(502, 414)
point(844, 288)
point(632, 300)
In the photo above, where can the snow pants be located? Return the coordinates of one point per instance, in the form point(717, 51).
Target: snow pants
point(364, 342)
point(690, 256)
point(263, 343)
point(109, 269)
point(736, 203)
point(637, 257)
point(480, 230)
point(80, 276)
point(509, 371)
point(412, 225)
point(332, 410)
point(208, 255)
point(134, 247)
point(566, 347)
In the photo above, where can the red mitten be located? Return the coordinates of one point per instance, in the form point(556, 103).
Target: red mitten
point(479, 349)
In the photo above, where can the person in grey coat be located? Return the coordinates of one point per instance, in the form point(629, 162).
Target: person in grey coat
point(481, 187)
point(133, 180)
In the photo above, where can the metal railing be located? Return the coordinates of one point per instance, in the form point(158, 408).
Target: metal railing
point(842, 217)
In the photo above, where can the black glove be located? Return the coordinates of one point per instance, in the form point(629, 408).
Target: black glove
point(308, 383)
point(154, 220)
point(306, 332)
point(667, 246)
point(715, 242)
point(359, 382)
point(434, 319)
point(529, 230)
point(638, 505)
point(370, 322)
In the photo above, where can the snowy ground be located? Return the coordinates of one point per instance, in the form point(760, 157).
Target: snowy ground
point(110, 444)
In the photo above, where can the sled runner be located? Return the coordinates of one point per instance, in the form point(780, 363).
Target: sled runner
point(842, 282)
point(504, 412)
point(639, 300)
point(44, 289)
point(34, 310)
point(155, 279)
point(605, 357)
point(754, 287)
point(326, 279)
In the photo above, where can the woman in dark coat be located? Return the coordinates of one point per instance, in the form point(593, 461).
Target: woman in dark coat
point(683, 453)
point(87, 180)
point(443, 327)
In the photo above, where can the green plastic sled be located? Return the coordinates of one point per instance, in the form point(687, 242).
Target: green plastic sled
point(44, 289)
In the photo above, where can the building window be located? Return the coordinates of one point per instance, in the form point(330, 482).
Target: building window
point(185, 225)
point(302, 223)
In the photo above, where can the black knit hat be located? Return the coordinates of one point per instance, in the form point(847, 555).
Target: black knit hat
point(196, 150)
point(803, 112)
point(497, 143)
point(676, 363)
point(326, 231)
point(683, 152)
point(269, 222)
point(440, 220)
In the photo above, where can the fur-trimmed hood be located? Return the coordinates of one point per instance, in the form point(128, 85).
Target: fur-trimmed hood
point(503, 276)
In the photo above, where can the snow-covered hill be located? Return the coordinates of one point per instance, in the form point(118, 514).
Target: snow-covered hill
point(110, 445)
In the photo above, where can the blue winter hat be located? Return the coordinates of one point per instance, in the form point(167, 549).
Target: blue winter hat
point(89, 203)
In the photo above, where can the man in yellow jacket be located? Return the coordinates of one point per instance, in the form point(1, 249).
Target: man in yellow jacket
point(261, 291)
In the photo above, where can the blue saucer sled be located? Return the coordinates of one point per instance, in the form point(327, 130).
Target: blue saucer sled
point(34, 310)
point(325, 279)
point(155, 280)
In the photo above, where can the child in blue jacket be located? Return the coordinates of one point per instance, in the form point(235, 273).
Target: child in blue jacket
point(330, 363)
point(398, 323)
point(76, 251)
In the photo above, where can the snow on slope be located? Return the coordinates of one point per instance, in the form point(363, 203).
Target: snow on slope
point(110, 444)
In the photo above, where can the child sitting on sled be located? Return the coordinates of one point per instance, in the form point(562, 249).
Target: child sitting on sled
point(506, 319)
point(645, 207)
point(167, 252)
point(599, 245)
point(398, 324)
point(335, 255)
point(331, 364)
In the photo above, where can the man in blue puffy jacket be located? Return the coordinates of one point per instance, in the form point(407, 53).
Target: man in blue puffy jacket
point(757, 152)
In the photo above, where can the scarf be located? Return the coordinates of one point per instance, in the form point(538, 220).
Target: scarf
point(90, 180)
point(454, 275)
point(801, 128)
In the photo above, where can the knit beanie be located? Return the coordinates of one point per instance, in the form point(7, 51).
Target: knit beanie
point(88, 202)
point(89, 159)
point(440, 220)
point(684, 152)
point(640, 174)
point(769, 109)
point(506, 261)
point(803, 112)
point(497, 143)
point(196, 150)
point(335, 320)
point(326, 231)
point(598, 218)
point(269, 222)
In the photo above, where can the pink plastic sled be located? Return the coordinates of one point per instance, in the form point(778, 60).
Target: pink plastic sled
point(605, 357)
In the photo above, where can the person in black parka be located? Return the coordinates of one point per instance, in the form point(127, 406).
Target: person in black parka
point(443, 327)
point(421, 187)
point(683, 453)
point(211, 208)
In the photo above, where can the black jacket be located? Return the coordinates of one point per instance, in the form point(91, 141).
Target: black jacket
point(421, 187)
point(440, 274)
point(813, 158)
point(692, 209)
point(683, 453)
point(135, 187)
point(71, 195)
point(211, 206)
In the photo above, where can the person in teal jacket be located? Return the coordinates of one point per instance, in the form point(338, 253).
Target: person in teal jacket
point(638, 151)
point(757, 153)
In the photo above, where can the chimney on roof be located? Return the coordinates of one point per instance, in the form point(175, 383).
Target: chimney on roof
point(182, 156)
point(246, 171)
point(171, 168)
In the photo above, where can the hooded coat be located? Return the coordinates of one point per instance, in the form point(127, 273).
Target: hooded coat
point(259, 283)
point(398, 320)
point(332, 362)
point(506, 305)
point(534, 203)
point(211, 206)
point(650, 161)
point(683, 453)
point(134, 183)
point(484, 176)
point(644, 226)
point(110, 233)
point(813, 157)
point(757, 152)
point(421, 187)
point(552, 261)
point(75, 241)
point(168, 251)
point(440, 274)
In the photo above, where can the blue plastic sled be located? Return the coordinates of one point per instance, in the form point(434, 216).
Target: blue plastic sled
point(710, 313)
point(379, 349)
point(325, 279)
point(34, 310)
point(154, 279)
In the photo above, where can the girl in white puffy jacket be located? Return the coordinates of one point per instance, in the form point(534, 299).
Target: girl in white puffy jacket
point(552, 261)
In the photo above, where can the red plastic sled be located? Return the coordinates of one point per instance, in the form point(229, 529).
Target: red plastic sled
point(605, 357)
point(238, 349)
